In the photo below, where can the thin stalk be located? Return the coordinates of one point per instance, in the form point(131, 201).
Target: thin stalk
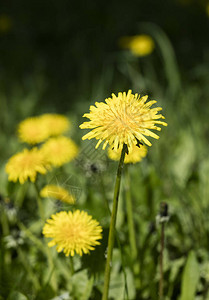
point(162, 239)
point(116, 235)
point(129, 208)
point(112, 225)
point(39, 202)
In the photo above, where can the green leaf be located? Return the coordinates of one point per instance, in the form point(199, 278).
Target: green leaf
point(190, 278)
point(15, 295)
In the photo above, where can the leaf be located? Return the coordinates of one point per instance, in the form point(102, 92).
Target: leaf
point(15, 295)
point(190, 278)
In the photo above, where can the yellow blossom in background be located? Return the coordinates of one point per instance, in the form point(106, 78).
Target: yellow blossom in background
point(133, 157)
point(123, 119)
point(5, 23)
point(73, 232)
point(35, 130)
point(26, 164)
point(59, 150)
point(57, 192)
point(55, 124)
point(139, 45)
point(32, 131)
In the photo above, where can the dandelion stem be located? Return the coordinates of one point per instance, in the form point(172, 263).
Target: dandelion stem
point(40, 205)
point(131, 229)
point(112, 225)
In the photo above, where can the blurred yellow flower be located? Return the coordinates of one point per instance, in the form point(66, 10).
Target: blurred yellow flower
point(55, 124)
point(73, 232)
point(57, 192)
point(139, 45)
point(59, 150)
point(35, 130)
point(133, 157)
point(32, 131)
point(26, 164)
point(5, 23)
point(123, 119)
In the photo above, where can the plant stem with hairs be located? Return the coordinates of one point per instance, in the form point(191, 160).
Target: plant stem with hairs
point(112, 225)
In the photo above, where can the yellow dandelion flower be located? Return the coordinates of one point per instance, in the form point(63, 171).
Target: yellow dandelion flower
point(132, 157)
point(59, 150)
point(57, 192)
point(73, 232)
point(55, 124)
point(123, 119)
point(139, 45)
point(35, 130)
point(26, 164)
point(32, 131)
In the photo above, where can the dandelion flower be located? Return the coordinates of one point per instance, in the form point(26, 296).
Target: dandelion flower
point(139, 45)
point(123, 119)
point(35, 130)
point(55, 124)
point(133, 157)
point(59, 150)
point(73, 232)
point(26, 164)
point(32, 131)
point(57, 192)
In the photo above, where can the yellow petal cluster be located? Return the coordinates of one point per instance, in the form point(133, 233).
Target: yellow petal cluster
point(123, 119)
point(26, 164)
point(35, 130)
point(55, 124)
point(73, 232)
point(132, 157)
point(59, 150)
point(139, 45)
point(57, 192)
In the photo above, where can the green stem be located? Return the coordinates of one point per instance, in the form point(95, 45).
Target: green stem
point(131, 229)
point(112, 225)
point(116, 235)
point(40, 204)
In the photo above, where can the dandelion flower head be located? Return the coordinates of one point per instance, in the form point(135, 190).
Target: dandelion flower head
point(55, 124)
point(123, 119)
point(26, 164)
point(35, 130)
point(133, 157)
point(73, 232)
point(139, 45)
point(59, 150)
point(32, 131)
point(57, 192)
